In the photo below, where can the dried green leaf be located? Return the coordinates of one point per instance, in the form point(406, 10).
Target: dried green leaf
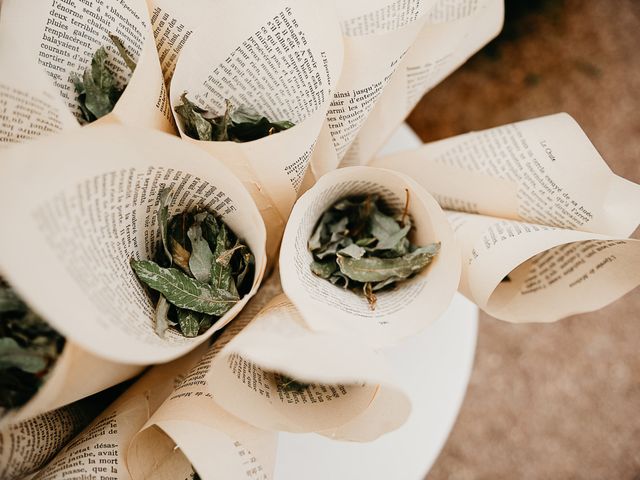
point(375, 269)
point(183, 291)
point(235, 124)
point(194, 124)
point(353, 251)
point(101, 91)
point(324, 269)
point(123, 52)
point(189, 322)
point(201, 255)
point(210, 229)
point(13, 355)
point(10, 302)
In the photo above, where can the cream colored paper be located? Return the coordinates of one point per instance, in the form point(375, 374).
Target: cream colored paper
point(544, 209)
point(347, 379)
point(82, 221)
point(29, 105)
point(454, 31)
point(281, 59)
point(547, 164)
point(190, 424)
point(400, 312)
point(552, 272)
point(99, 451)
point(376, 36)
point(28, 445)
point(61, 37)
point(173, 23)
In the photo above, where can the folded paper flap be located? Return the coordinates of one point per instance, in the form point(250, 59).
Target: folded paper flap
point(399, 312)
point(225, 451)
point(559, 177)
point(436, 51)
point(279, 340)
point(462, 190)
point(569, 278)
point(85, 221)
point(32, 104)
point(344, 377)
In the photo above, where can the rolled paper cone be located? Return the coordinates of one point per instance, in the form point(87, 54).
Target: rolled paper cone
point(76, 374)
point(412, 304)
point(295, 82)
point(342, 379)
point(28, 445)
point(85, 216)
point(144, 103)
point(190, 429)
point(109, 436)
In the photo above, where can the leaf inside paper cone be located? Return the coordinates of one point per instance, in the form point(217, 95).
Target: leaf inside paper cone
point(183, 291)
point(236, 124)
point(208, 269)
point(360, 245)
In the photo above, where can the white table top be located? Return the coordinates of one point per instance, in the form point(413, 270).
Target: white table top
point(433, 367)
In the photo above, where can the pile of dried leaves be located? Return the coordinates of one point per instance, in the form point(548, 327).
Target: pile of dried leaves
point(28, 349)
point(236, 124)
point(202, 270)
point(358, 244)
point(97, 90)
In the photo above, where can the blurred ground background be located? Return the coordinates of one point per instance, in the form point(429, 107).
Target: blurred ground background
point(558, 401)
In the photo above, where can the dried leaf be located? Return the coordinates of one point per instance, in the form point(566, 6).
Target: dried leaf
point(13, 355)
point(194, 124)
point(353, 251)
point(123, 52)
point(161, 316)
point(375, 269)
point(97, 90)
point(235, 124)
point(201, 256)
point(356, 244)
point(163, 220)
point(324, 269)
point(10, 302)
point(189, 322)
point(180, 256)
point(183, 291)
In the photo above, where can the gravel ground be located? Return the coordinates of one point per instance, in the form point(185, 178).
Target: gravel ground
point(558, 401)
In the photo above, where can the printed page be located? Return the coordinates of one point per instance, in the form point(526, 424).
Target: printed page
point(191, 423)
point(376, 37)
point(27, 445)
point(400, 312)
point(191, 432)
point(76, 374)
point(440, 48)
point(337, 378)
point(543, 171)
point(29, 105)
point(61, 38)
point(280, 59)
point(82, 221)
point(173, 23)
point(525, 272)
point(100, 450)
